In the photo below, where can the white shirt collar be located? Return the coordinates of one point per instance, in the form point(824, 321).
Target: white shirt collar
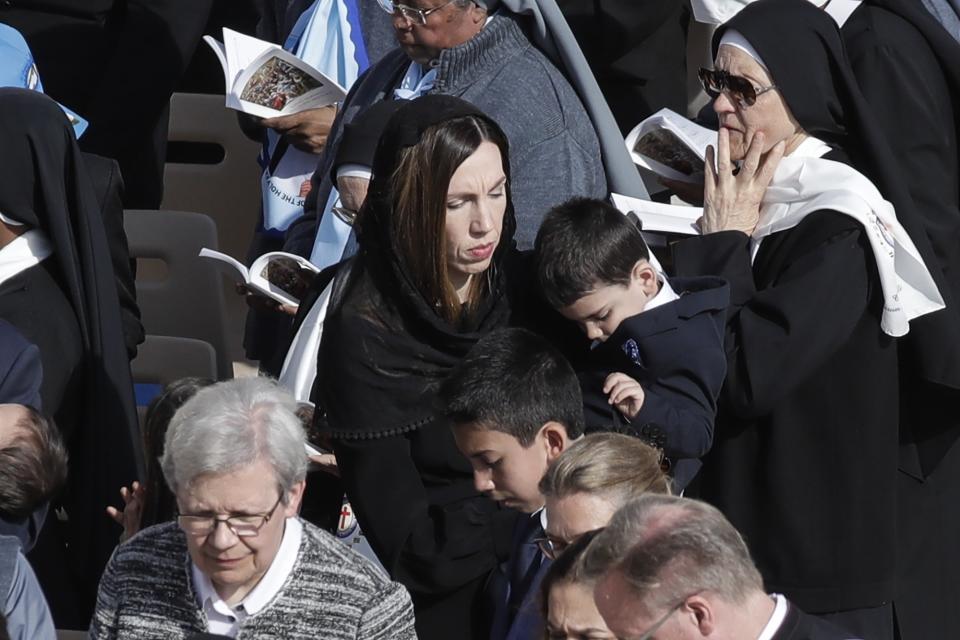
point(25, 251)
point(664, 296)
point(224, 619)
point(543, 518)
point(840, 10)
point(776, 619)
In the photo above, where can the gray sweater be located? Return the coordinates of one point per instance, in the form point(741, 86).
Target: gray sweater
point(332, 592)
point(554, 152)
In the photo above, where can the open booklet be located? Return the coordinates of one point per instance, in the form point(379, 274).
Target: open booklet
point(281, 276)
point(264, 80)
point(660, 218)
point(671, 146)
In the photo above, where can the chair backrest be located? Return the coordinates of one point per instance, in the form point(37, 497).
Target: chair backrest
point(162, 359)
point(229, 190)
point(187, 299)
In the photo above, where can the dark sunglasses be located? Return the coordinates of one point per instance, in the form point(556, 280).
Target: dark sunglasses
point(741, 90)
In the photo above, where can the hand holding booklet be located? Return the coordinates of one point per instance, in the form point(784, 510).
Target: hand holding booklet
point(264, 80)
point(671, 146)
point(283, 277)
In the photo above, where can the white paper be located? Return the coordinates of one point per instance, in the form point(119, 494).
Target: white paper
point(693, 136)
point(658, 217)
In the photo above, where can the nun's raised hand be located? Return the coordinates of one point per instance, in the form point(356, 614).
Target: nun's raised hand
point(732, 202)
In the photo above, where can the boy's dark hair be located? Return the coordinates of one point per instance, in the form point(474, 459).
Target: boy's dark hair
point(583, 242)
point(513, 381)
point(33, 465)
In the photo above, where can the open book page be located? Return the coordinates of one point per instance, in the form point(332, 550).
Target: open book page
point(671, 146)
point(227, 265)
point(277, 83)
point(657, 217)
point(282, 276)
point(221, 54)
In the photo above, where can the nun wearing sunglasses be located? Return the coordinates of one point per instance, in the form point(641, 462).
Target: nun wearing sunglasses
point(806, 217)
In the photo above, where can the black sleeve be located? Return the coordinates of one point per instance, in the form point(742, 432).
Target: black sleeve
point(683, 401)
point(429, 547)
point(108, 186)
point(775, 332)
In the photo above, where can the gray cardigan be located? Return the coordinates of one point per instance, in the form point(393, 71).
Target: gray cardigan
point(147, 593)
point(554, 152)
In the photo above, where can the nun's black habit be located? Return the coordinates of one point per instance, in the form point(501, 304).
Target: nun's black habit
point(383, 351)
point(806, 450)
point(69, 301)
point(908, 68)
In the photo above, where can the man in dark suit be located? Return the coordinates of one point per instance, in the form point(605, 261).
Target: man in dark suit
point(677, 568)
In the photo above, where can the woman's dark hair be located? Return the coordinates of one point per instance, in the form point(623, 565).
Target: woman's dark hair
point(158, 501)
point(419, 194)
point(566, 568)
point(583, 243)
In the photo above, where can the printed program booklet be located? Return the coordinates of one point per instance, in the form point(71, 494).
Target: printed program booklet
point(671, 146)
point(281, 276)
point(264, 80)
point(660, 218)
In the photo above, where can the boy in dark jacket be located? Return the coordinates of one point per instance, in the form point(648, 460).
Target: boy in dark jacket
point(657, 360)
point(514, 405)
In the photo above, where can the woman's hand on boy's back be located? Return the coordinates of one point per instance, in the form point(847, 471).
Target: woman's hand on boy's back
point(624, 393)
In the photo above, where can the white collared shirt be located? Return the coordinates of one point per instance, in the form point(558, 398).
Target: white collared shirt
point(23, 252)
point(225, 620)
point(776, 619)
point(840, 10)
point(664, 296)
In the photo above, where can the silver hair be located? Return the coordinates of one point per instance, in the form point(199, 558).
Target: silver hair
point(230, 425)
point(668, 548)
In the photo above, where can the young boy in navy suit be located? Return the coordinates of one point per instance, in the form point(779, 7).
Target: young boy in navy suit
point(657, 360)
point(514, 405)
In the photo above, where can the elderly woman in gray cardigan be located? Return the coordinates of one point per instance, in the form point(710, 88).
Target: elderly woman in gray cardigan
point(238, 562)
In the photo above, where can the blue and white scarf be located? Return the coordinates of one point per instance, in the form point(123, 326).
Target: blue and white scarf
point(328, 37)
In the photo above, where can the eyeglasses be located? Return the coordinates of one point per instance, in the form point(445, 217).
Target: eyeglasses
point(552, 548)
point(414, 15)
point(245, 526)
point(662, 621)
point(347, 215)
point(740, 89)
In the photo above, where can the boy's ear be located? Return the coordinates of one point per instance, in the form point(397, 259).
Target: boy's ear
point(645, 275)
point(555, 439)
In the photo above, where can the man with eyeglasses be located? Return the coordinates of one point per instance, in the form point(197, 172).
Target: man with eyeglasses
point(238, 561)
point(671, 567)
point(478, 50)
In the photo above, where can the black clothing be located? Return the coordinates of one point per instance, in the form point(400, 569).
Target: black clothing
point(797, 625)
point(116, 63)
point(908, 67)
point(637, 51)
point(108, 187)
point(45, 186)
point(805, 450)
point(383, 350)
point(675, 351)
point(34, 303)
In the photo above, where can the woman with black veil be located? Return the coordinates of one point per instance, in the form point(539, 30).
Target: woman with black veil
point(827, 260)
point(435, 236)
point(58, 288)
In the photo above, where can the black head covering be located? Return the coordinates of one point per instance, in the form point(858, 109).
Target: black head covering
point(804, 53)
point(43, 184)
point(385, 348)
point(359, 140)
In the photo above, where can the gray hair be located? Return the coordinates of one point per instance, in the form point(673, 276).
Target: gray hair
point(613, 466)
point(668, 548)
point(230, 425)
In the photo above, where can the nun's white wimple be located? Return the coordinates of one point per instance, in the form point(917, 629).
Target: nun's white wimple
point(734, 38)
